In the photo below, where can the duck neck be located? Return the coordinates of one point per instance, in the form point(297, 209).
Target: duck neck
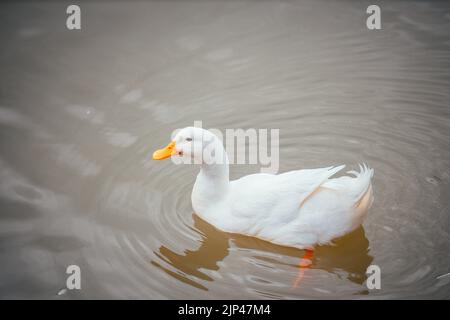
point(211, 186)
point(216, 175)
point(215, 168)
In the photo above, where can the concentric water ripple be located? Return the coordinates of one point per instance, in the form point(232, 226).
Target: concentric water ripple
point(338, 93)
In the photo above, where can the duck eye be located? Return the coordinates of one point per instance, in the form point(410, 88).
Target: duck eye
point(188, 139)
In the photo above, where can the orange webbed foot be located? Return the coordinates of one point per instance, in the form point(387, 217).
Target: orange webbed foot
point(303, 264)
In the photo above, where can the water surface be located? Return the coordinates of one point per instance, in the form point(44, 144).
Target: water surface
point(82, 111)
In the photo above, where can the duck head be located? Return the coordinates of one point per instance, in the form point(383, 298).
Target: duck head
point(194, 145)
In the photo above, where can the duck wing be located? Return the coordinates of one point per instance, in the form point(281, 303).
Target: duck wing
point(259, 197)
point(305, 182)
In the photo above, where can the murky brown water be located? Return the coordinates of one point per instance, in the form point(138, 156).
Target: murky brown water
point(82, 111)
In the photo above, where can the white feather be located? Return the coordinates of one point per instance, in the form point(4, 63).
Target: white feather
point(299, 208)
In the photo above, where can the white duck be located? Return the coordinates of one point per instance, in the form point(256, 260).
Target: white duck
point(298, 208)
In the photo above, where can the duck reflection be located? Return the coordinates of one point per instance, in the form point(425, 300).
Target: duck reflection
point(349, 253)
point(213, 249)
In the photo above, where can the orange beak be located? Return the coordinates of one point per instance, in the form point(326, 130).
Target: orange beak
point(165, 153)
